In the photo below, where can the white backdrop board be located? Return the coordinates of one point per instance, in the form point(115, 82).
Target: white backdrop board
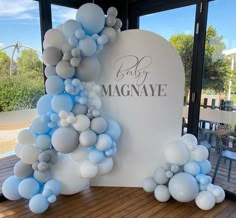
point(142, 79)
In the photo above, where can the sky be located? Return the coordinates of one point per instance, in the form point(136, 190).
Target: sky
point(19, 21)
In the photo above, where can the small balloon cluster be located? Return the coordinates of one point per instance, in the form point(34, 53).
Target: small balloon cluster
point(70, 141)
point(184, 176)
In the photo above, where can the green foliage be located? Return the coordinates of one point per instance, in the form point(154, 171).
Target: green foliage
point(216, 66)
point(17, 93)
point(4, 64)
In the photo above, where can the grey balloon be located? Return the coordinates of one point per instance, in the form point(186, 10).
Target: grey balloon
point(98, 125)
point(87, 138)
point(23, 170)
point(79, 109)
point(42, 176)
point(51, 55)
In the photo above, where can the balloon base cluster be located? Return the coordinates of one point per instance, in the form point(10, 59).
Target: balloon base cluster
point(184, 176)
point(70, 141)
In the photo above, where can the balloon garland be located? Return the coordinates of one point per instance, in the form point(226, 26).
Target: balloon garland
point(184, 176)
point(70, 142)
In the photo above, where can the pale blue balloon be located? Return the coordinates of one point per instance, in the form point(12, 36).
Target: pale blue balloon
point(87, 46)
point(44, 105)
point(38, 204)
point(54, 85)
point(10, 188)
point(203, 179)
point(104, 142)
point(192, 168)
point(96, 156)
point(43, 142)
point(28, 188)
point(53, 185)
point(113, 130)
point(39, 127)
point(205, 166)
point(52, 199)
point(91, 18)
point(62, 102)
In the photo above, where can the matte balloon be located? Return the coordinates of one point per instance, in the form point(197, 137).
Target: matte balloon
point(113, 130)
point(75, 52)
point(176, 153)
point(28, 188)
point(52, 199)
point(98, 125)
point(205, 200)
point(82, 123)
point(105, 166)
point(112, 11)
point(110, 20)
point(44, 105)
point(91, 18)
point(66, 171)
point(160, 177)
point(65, 70)
point(162, 193)
point(54, 37)
point(65, 140)
point(53, 185)
point(10, 188)
point(88, 169)
point(42, 176)
point(87, 46)
point(38, 204)
point(96, 156)
point(149, 184)
point(50, 70)
point(104, 142)
point(110, 33)
point(62, 102)
point(118, 24)
point(205, 166)
point(51, 55)
point(70, 27)
point(190, 141)
point(23, 170)
point(183, 187)
point(39, 126)
point(26, 136)
point(43, 166)
point(29, 154)
point(87, 138)
point(54, 85)
point(192, 168)
point(43, 142)
point(219, 193)
point(75, 62)
point(88, 69)
point(80, 154)
point(200, 153)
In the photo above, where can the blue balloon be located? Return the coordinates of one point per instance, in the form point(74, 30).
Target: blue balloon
point(96, 156)
point(203, 179)
point(38, 204)
point(53, 185)
point(62, 102)
point(87, 46)
point(91, 18)
point(39, 126)
point(113, 130)
point(192, 168)
point(44, 105)
point(54, 85)
point(52, 199)
point(205, 166)
point(28, 188)
point(10, 188)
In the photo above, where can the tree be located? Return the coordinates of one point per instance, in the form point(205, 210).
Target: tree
point(216, 66)
point(4, 64)
point(29, 65)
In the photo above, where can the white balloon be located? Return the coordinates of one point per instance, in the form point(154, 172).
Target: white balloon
point(87, 138)
point(88, 169)
point(176, 153)
point(110, 33)
point(105, 166)
point(183, 187)
point(160, 176)
point(66, 171)
point(29, 154)
point(65, 70)
point(149, 184)
point(200, 153)
point(162, 193)
point(70, 27)
point(26, 136)
point(18, 149)
point(54, 37)
point(205, 200)
point(219, 194)
point(80, 154)
point(189, 139)
point(99, 125)
point(82, 123)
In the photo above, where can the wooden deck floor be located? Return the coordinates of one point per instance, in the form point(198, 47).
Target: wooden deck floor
point(110, 202)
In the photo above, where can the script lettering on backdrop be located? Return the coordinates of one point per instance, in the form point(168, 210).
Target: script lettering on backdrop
point(136, 69)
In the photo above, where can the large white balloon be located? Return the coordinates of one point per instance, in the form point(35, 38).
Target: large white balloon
point(176, 153)
point(205, 200)
point(26, 137)
point(200, 153)
point(66, 171)
point(183, 187)
point(88, 169)
point(80, 154)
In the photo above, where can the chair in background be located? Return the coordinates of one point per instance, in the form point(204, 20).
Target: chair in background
point(227, 153)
